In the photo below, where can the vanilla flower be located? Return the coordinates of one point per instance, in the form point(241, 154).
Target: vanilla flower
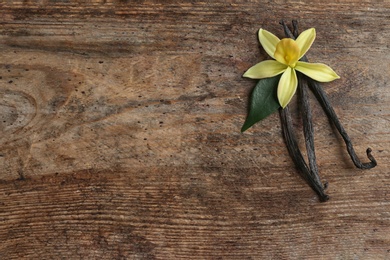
point(287, 54)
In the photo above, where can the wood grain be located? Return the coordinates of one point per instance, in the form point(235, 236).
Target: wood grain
point(120, 136)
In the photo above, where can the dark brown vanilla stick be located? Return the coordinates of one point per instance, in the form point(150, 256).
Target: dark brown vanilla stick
point(287, 31)
point(325, 103)
point(310, 174)
point(308, 130)
point(297, 156)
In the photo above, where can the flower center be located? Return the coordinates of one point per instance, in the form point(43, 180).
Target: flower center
point(287, 52)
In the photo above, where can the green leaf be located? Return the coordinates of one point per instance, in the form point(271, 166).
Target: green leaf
point(264, 101)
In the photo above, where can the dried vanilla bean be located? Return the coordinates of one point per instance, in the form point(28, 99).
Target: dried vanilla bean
point(308, 129)
point(324, 101)
point(296, 155)
point(307, 125)
point(310, 174)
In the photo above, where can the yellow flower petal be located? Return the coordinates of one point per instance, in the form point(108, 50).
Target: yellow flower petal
point(305, 40)
point(265, 69)
point(287, 86)
point(287, 52)
point(268, 41)
point(317, 71)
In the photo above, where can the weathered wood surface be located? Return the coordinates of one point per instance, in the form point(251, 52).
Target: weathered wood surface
point(120, 133)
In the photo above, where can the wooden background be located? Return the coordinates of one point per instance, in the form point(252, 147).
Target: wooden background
point(120, 132)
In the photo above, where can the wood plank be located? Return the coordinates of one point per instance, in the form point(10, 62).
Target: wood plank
point(120, 136)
